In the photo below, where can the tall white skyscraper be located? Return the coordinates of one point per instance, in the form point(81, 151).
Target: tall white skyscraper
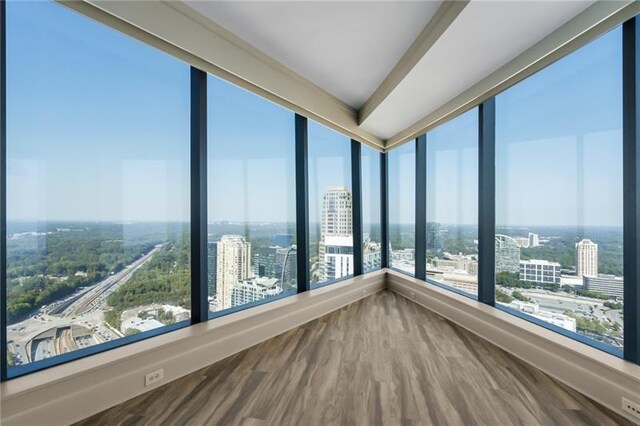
point(233, 265)
point(338, 256)
point(336, 212)
point(336, 234)
point(586, 258)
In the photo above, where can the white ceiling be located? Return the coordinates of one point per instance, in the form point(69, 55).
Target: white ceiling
point(348, 47)
point(485, 36)
point(345, 47)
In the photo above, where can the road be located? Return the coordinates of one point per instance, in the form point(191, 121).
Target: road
point(51, 331)
point(96, 297)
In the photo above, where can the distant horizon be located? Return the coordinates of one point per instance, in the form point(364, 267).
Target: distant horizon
point(224, 221)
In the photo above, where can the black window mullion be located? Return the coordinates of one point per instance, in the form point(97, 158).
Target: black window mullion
point(356, 203)
point(631, 187)
point(199, 288)
point(384, 209)
point(3, 194)
point(486, 202)
point(421, 208)
point(302, 203)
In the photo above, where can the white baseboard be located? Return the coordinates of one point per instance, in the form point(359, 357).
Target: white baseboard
point(600, 376)
point(79, 389)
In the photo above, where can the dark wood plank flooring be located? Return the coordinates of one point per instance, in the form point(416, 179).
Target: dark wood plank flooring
point(382, 360)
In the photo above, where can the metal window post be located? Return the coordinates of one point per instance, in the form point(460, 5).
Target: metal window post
point(199, 287)
point(302, 203)
point(3, 193)
point(631, 187)
point(384, 209)
point(421, 208)
point(486, 202)
point(356, 184)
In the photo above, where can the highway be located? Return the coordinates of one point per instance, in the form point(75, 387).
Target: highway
point(52, 331)
point(96, 297)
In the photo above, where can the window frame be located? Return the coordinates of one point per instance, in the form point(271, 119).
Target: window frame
point(198, 215)
point(486, 211)
point(487, 204)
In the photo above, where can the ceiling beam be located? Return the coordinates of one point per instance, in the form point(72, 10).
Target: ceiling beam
point(437, 25)
point(591, 23)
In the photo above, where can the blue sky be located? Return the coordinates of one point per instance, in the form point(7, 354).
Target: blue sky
point(452, 171)
point(558, 150)
point(98, 129)
point(251, 154)
point(329, 165)
point(97, 123)
point(370, 168)
point(559, 142)
point(402, 188)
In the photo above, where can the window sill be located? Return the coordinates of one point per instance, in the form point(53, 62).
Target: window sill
point(601, 376)
point(70, 392)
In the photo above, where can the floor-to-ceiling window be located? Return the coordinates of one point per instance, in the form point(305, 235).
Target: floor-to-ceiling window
point(251, 248)
point(97, 186)
point(402, 196)
point(371, 210)
point(330, 205)
point(452, 203)
point(559, 233)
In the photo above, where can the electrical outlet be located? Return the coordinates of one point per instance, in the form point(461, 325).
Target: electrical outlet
point(631, 408)
point(153, 377)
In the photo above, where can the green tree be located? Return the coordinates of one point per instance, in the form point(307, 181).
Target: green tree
point(503, 297)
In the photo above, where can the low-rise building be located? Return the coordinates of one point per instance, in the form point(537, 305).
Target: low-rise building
point(606, 284)
point(255, 289)
point(540, 271)
point(533, 310)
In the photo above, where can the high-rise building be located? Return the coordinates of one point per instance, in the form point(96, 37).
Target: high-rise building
point(586, 258)
point(212, 266)
point(282, 240)
point(233, 265)
point(507, 254)
point(278, 260)
point(435, 236)
point(540, 271)
point(534, 239)
point(336, 212)
point(255, 289)
point(338, 256)
point(336, 234)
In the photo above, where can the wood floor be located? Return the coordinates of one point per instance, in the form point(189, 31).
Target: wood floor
point(383, 360)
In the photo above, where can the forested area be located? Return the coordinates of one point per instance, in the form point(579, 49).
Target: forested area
point(165, 279)
point(561, 247)
point(59, 259)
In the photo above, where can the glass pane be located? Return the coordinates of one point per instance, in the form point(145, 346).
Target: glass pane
point(251, 202)
point(402, 207)
point(371, 238)
point(330, 217)
point(559, 257)
point(97, 186)
point(452, 203)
